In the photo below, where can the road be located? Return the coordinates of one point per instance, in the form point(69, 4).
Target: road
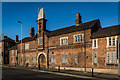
point(21, 74)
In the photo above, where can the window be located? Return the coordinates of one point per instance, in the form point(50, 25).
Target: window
point(111, 57)
point(64, 58)
point(53, 58)
point(16, 53)
point(27, 59)
point(26, 46)
point(1, 51)
point(0, 44)
point(111, 41)
point(64, 41)
point(40, 41)
point(75, 58)
point(95, 58)
point(12, 53)
point(78, 38)
point(12, 59)
point(95, 42)
point(34, 58)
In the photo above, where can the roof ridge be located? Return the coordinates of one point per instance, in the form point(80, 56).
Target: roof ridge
point(75, 25)
point(110, 26)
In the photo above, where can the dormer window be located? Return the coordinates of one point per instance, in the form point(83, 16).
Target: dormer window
point(64, 41)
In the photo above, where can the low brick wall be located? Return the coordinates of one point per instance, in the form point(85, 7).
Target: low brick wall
point(109, 71)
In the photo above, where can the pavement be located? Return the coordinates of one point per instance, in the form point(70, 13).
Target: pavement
point(70, 73)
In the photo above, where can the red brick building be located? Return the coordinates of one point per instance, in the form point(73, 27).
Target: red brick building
point(5, 44)
point(79, 47)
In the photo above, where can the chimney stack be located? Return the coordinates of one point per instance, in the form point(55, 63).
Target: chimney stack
point(16, 38)
point(32, 31)
point(4, 37)
point(78, 19)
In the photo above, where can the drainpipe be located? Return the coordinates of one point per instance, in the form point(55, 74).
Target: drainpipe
point(84, 52)
point(48, 53)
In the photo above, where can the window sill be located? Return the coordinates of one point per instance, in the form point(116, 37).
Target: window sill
point(78, 42)
point(111, 46)
point(94, 47)
point(63, 44)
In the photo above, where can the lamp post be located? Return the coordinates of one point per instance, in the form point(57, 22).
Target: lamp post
point(21, 43)
point(118, 53)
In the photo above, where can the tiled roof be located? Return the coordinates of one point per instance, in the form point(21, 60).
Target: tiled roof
point(69, 29)
point(108, 31)
point(13, 48)
point(73, 28)
point(7, 39)
point(26, 39)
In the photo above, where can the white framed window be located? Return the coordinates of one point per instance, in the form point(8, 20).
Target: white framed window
point(111, 41)
point(64, 58)
point(53, 58)
point(16, 52)
point(40, 41)
point(26, 46)
point(95, 58)
point(111, 57)
point(34, 59)
point(12, 59)
point(95, 43)
point(78, 38)
point(12, 53)
point(64, 41)
point(75, 58)
point(27, 59)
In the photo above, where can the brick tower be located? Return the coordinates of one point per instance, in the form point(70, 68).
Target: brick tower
point(41, 27)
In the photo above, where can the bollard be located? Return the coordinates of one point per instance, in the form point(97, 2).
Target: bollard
point(92, 73)
point(58, 68)
point(27, 64)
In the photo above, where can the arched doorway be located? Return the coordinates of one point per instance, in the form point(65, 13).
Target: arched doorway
point(42, 60)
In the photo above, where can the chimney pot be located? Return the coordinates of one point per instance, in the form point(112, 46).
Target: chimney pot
point(78, 18)
point(32, 31)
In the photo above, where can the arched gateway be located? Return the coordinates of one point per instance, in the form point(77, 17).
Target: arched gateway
point(42, 59)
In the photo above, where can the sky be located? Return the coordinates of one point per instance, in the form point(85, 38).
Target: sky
point(58, 14)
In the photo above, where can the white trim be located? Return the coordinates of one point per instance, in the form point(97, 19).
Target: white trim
point(27, 47)
point(111, 41)
point(39, 40)
point(64, 38)
point(52, 47)
point(77, 35)
point(93, 43)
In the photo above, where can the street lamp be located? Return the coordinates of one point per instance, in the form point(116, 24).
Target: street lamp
point(21, 43)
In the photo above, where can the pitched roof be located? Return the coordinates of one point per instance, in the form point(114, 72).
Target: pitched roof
point(26, 39)
point(108, 31)
point(73, 28)
point(7, 39)
point(69, 29)
point(13, 48)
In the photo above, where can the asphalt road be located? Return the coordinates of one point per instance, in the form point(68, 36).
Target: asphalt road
point(21, 74)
